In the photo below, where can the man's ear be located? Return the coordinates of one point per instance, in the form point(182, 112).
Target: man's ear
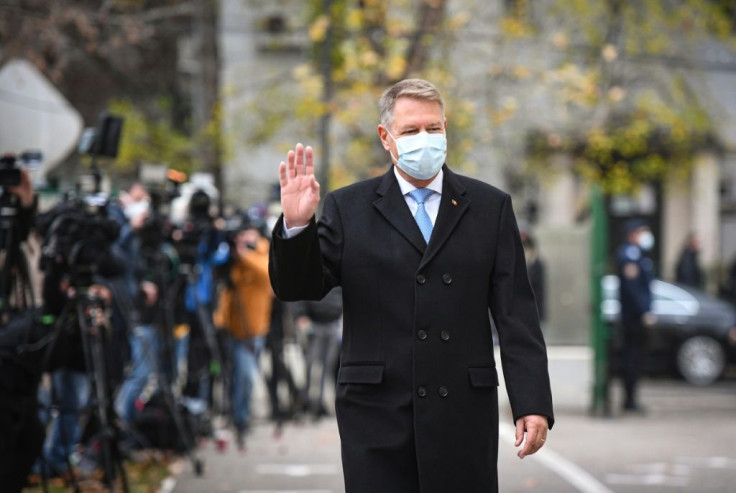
point(384, 136)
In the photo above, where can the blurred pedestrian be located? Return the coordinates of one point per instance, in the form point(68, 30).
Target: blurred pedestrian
point(244, 310)
point(537, 275)
point(635, 273)
point(323, 321)
point(688, 266)
point(280, 331)
point(422, 255)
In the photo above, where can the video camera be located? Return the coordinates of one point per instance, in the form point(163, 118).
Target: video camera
point(77, 236)
point(162, 185)
point(193, 215)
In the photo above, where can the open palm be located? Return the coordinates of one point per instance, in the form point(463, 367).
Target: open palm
point(299, 188)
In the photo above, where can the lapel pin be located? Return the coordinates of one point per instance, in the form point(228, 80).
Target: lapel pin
point(454, 202)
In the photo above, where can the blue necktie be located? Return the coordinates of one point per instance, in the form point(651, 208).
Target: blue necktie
point(420, 195)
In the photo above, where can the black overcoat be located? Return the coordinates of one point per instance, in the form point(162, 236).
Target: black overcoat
point(417, 402)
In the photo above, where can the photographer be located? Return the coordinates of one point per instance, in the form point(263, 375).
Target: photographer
point(17, 209)
point(24, 192)
point(21, 431)
point(79, 263)
point(76, 249)
point(131, 212)
point(244, 309)
point(201, 247)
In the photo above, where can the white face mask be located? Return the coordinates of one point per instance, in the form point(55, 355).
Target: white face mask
point(421, 155)
point(646, 240)
point(135, 209)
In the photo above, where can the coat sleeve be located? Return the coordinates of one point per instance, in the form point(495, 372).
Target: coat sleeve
point(512, 304)
point(307, 266)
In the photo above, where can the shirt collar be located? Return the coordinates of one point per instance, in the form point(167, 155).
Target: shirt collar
point(407, 187)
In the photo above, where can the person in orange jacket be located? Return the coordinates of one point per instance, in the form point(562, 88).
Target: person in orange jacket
point(244, 309)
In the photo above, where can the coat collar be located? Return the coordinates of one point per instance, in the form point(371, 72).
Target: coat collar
point(392, 205)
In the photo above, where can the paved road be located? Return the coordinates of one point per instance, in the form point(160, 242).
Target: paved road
point(685, 443)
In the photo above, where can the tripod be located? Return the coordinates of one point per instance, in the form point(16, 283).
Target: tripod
point(94, 328)
point(85, 312)
point(16, 293)
point(188, 280)
point(155, 257)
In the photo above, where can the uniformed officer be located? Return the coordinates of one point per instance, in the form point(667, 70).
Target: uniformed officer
point(635, 272)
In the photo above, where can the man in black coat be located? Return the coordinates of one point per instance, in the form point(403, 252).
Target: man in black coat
point(417, 402)
point(635, 272)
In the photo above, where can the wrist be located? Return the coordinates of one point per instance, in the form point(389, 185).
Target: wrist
point(290, 223)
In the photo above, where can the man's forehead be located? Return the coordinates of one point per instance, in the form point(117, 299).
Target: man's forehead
point(408, 111)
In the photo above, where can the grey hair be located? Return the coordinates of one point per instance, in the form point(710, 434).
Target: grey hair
point(407, 88)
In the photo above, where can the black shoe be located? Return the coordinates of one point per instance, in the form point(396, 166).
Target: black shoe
point(634, 408)
point(240, 432)
point(240, 438)
point(320, 412)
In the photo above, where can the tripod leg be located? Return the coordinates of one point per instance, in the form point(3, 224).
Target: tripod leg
point(93, 341)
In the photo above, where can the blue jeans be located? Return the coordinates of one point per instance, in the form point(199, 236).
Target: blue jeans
point(144, 347)
point(71, 393)
point(245, 354)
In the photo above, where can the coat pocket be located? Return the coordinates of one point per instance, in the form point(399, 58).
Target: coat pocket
point(483, 376)
point(360, 374)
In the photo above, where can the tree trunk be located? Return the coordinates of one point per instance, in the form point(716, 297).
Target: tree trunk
point(431, 14)
point(206, 90)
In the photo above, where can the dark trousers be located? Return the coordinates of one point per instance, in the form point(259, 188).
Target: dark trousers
point(280, 373)
point(634, 346)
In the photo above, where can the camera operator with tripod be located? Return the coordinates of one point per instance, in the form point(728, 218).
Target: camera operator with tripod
point(65, 336)
point(17, 209)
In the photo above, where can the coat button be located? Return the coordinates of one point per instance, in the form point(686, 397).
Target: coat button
point(443, 391)
point(422, 334)
point(422, 392)
point(421, 279)
point(447, 278)
point(445, 335)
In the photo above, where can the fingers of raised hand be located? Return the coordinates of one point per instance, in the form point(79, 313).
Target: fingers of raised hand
point(290, 165)
point(283, 180)
point(309, 161)
point(299, 159)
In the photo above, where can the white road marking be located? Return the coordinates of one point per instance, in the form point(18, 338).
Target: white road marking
point(583, 481)
point(298, 470)
point(649, 479)
point(708, 462)
point(285, 491)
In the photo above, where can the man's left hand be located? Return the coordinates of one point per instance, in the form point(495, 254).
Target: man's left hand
point(536, 428)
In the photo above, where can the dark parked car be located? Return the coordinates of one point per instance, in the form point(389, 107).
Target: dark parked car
point(695, 334)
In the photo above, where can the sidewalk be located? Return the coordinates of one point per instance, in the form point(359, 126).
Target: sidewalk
point(684, 443)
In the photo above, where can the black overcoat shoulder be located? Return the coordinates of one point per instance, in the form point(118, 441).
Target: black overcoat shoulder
point(417, 402)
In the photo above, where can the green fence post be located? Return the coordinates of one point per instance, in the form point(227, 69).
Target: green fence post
point(599, 330)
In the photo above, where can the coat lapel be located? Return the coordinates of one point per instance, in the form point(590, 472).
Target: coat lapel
point(392, 205)
point(453, 205)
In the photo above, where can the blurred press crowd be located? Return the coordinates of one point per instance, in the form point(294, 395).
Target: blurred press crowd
point(138, 320)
